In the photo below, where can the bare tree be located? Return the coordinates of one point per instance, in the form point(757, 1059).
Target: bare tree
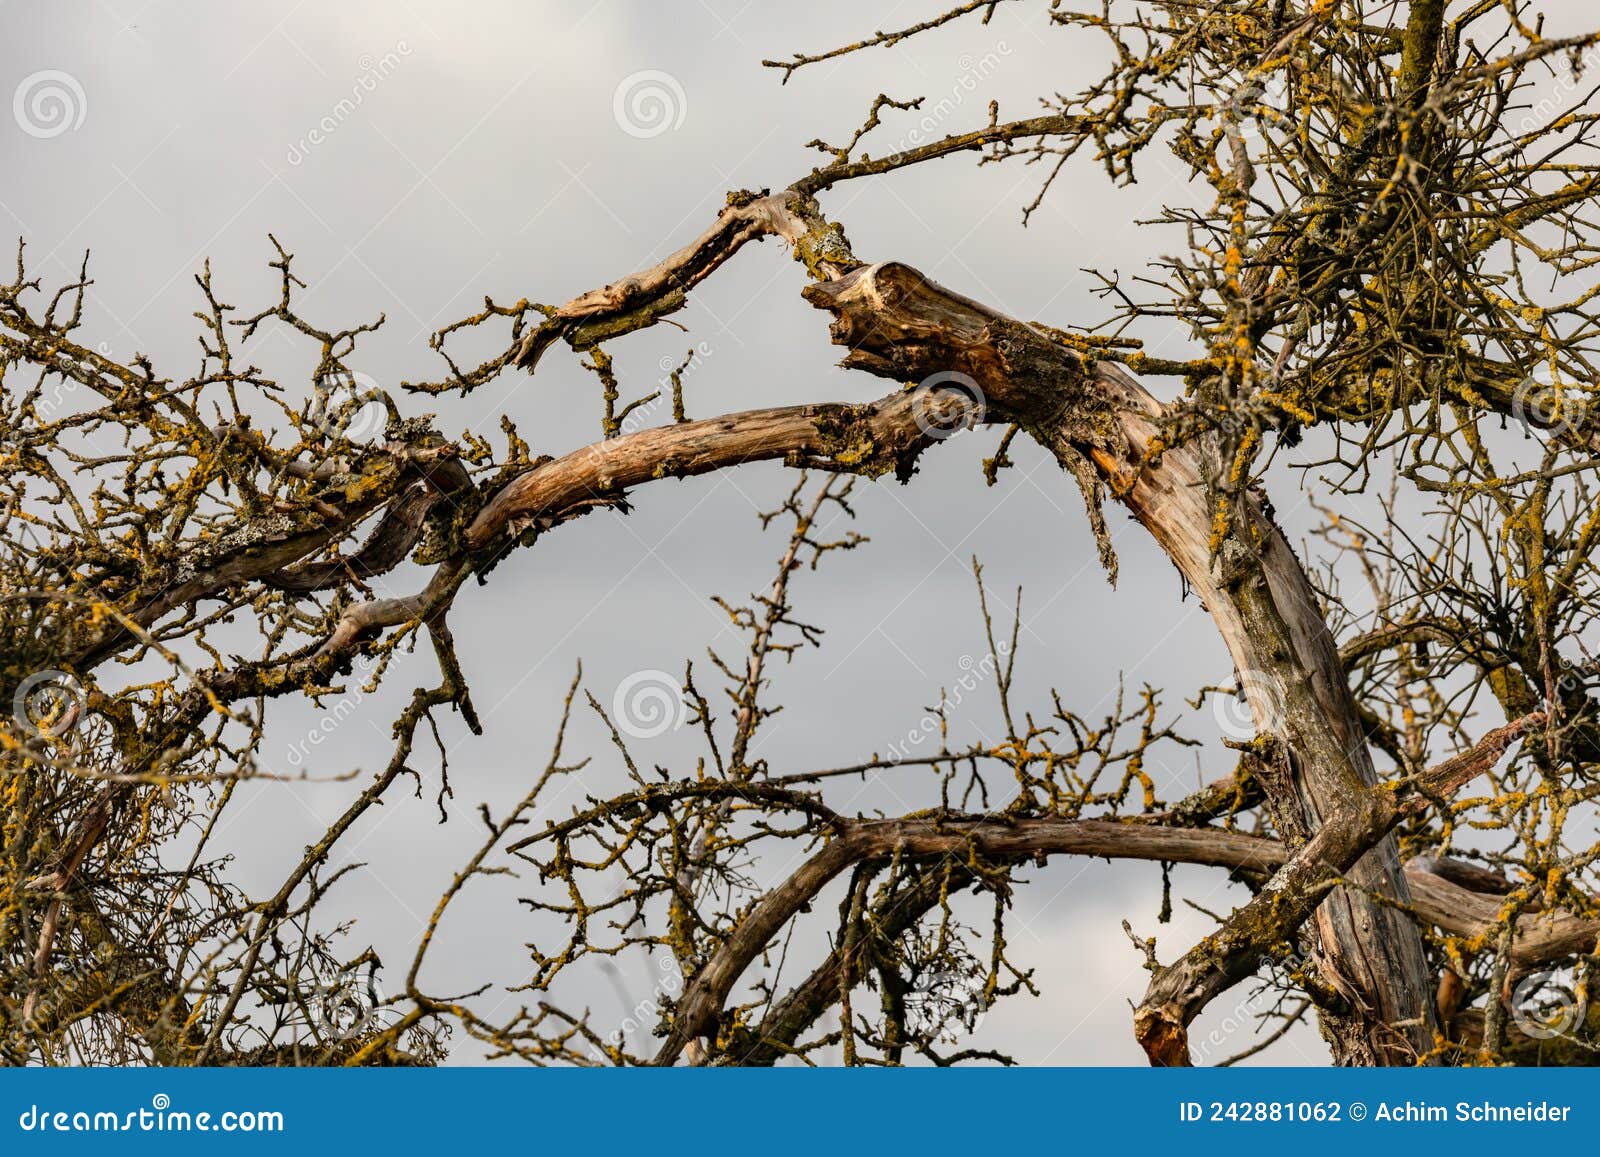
point(1392, 258)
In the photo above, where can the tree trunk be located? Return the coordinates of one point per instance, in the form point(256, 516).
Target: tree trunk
point(1101, 424)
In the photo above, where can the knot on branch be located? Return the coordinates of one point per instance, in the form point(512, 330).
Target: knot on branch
point(898, 324)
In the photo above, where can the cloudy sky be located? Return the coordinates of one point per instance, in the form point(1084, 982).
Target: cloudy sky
point(417, 156)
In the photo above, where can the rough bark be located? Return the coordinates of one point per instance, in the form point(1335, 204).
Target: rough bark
point(876, 437)
point(1301, 878)
point(1105, 430)
point(896, 323)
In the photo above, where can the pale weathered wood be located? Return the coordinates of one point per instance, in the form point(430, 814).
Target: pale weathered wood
point(897, 323)
point(1301, 878)
point(1102, 426)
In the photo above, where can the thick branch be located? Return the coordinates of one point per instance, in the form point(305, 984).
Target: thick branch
point(896, 323)
point(1264, 926)
point(875, 438)
point(1536, 938)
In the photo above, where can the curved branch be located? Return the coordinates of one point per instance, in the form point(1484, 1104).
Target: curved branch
point(643, 298)
point(389, 543)
point(1106, 430)
point(874, 438)
point(706, 994)
point(1234, 952)
point(1179, 991)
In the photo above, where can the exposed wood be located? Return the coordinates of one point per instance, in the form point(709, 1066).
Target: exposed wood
point(897, 323)
point(1234, 952)
point(875, 437)
point(1179, 991)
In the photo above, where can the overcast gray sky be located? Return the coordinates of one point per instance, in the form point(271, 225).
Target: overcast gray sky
point(416, 156)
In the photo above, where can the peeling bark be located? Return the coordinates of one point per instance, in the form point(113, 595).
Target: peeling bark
point(896, 323)
point(1179, 992)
